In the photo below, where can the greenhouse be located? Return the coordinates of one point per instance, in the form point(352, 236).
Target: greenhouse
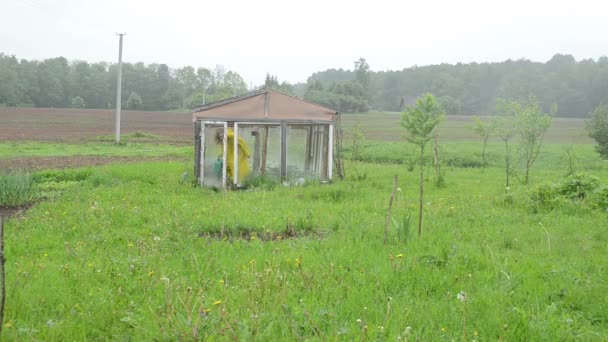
point(263, 134)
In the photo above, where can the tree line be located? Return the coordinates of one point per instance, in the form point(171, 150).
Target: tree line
point(56, 82)
point(575, 88)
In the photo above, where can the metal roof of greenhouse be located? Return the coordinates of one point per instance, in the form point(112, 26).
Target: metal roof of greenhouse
point(266, 105)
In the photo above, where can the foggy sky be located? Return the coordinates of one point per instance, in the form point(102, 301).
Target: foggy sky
point(293, 39)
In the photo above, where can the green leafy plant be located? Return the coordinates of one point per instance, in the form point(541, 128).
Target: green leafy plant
point(420, 122)
point(17, 189)
point(579, 186)
point(597, 127)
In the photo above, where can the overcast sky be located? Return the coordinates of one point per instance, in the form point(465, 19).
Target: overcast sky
point(293, 39)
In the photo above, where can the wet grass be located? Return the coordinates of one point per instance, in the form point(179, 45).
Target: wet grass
point(119, 256)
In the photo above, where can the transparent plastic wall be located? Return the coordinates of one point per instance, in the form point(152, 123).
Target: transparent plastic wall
point(264, 144)
point(213, 164)
point(307, 151)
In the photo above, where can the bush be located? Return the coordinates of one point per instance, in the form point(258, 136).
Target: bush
point(544, 194)
point(599, 198)
point(579, 186)
point(463, 162)
point(597, 128)
point(577, 189)
point(17, 189)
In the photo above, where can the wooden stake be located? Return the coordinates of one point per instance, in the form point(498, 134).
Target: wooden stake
point(436, 144)
point(3, 283)
point(390, 210)
point(421, 206)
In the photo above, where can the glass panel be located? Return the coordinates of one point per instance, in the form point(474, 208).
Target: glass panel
point(263, 143)
point(213, 150)
point(307, 152)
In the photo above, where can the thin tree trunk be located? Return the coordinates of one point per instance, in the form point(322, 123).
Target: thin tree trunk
point(390, 210)
point(437, 171)
point(421, 191)
point(507, 160)
point(483, 153)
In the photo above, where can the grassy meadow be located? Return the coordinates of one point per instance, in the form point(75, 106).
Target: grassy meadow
point(136, 252)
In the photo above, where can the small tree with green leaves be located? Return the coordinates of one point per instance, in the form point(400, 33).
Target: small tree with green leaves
point(506, 129)
point(484, 130)
point(420, 122)
point(532, 124)
point(597, 127)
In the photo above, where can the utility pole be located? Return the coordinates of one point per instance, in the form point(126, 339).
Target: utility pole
point(119, 88)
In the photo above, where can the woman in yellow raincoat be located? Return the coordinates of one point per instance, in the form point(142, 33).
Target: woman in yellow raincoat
point(243, 155)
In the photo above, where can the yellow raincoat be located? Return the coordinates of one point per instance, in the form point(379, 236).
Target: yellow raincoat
point(243, 157)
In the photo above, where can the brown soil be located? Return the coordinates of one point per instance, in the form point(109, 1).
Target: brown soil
point(6, 212)
point(41, 163)
point(58, 124)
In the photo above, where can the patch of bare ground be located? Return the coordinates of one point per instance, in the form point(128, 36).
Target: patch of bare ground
point(41, 163)
point(18, 211)
point(69, 124)
point(251, 234)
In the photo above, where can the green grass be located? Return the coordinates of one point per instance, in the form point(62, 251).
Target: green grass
point(48, 149)
point(123, 252)
point(120, 257)
point(469, 154)
point(386, 126)
point(17, 189)
point(131, 137)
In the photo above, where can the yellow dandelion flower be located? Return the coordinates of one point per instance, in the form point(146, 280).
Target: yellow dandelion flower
point(400, 255)
point(443, 329)
point(217, 302)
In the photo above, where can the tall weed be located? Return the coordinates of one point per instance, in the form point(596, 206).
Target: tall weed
point(17, 189)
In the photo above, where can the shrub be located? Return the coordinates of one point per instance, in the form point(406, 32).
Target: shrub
point(546, 196)
point(17, 189)
point(599, 198)
point(579, 186)
point(464, 162)
point(577, 189)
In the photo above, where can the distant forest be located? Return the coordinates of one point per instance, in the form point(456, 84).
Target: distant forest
point(576, 88)
point(56, 82)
